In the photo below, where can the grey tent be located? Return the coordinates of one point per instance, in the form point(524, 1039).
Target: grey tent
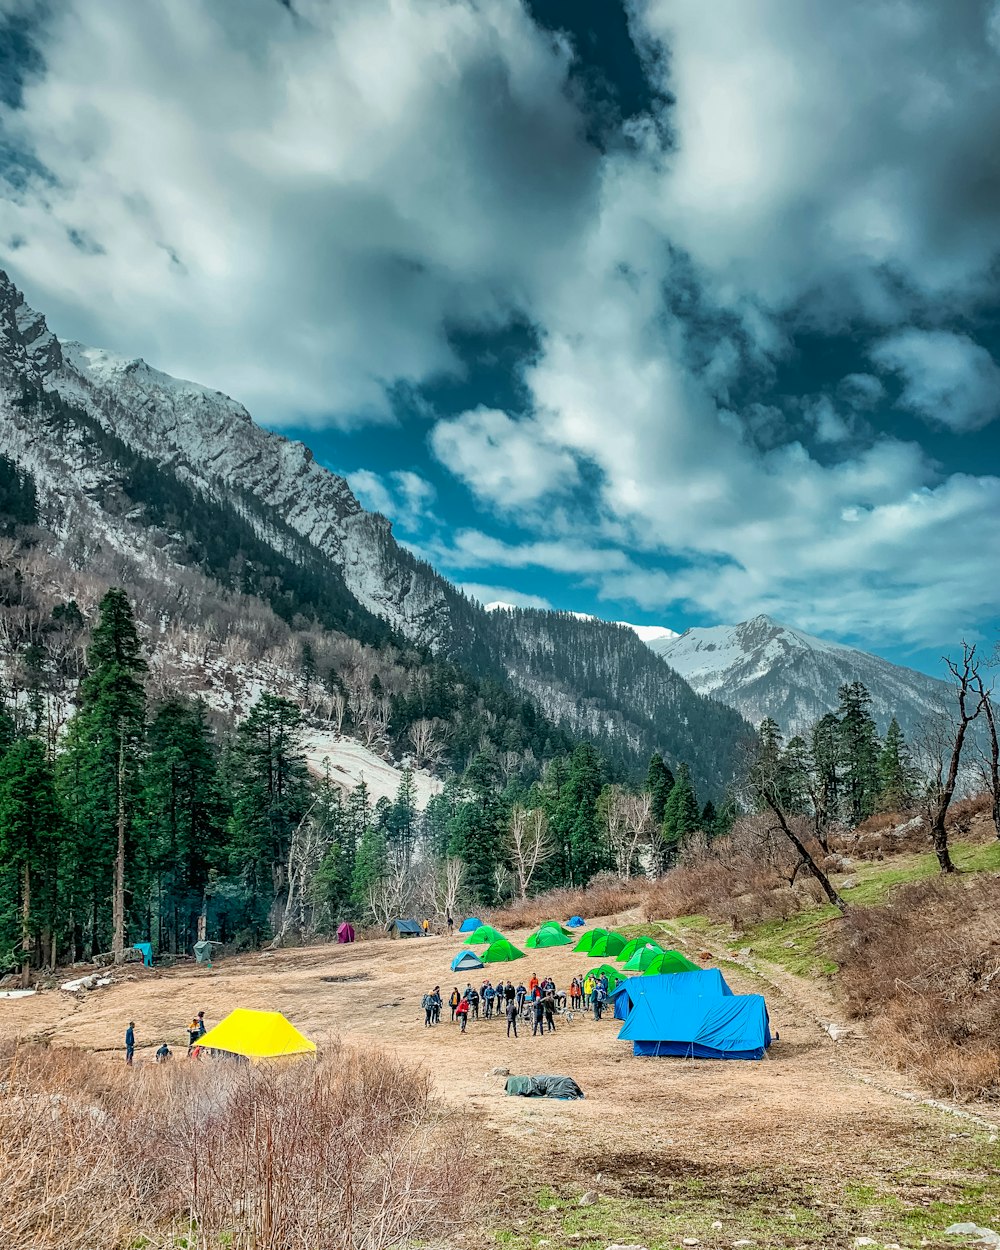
point(203, 952)
point(404, 928)
point(544, 1087)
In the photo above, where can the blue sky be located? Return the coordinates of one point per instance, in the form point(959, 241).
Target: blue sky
point(664, 311)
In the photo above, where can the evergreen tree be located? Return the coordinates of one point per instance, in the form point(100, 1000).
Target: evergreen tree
point(682, 815)
point(825, 761)
point(477, 830)
point(99, 774)
point(897, 776)
point(401, 821)
point(270, 797)
point(859, 752)
point(371, 863)
point(659, 783)
point(585, 779)
point(709, 817)
point(30, 835)
point(180, 821)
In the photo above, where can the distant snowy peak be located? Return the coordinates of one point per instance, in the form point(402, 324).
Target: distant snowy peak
point(25, 339)
point(763, 668)
point(646, 633)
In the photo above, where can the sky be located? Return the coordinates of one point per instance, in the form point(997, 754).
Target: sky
point(661, 310)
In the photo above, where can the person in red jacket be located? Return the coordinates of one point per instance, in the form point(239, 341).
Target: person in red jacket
point(463, 1013)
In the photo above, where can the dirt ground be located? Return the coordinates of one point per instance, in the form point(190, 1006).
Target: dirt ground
point(797, 1119)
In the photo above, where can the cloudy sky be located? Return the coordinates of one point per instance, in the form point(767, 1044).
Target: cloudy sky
point(665, 310)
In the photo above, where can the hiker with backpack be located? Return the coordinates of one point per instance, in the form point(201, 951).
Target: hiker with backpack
point(473, 997)
point(511, 1017)
point(427, 1002)
point(436, 996)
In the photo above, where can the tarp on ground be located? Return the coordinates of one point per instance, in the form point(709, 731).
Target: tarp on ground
point(574, 922)
point(483, 935)
point(733, 1026)
point(609, 971)
point(588, 940)
point(345, 932)
point(470, 924)
point(548, 937)
point(257, 1035)
point(671, 961)
point(544, 1087)
point(629, 949)
point(145, 949)
point(404, 928)
point(610, 944)
point(465, 960)
point(501, 952)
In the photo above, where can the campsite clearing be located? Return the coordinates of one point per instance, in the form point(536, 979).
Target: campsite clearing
point(792, 1150)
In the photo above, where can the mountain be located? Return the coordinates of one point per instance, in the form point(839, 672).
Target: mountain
point(150, 471)
point(762, 668)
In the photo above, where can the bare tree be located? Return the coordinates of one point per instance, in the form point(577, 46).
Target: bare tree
point(426, 738)
point(969, 692)
point(441, 883)
point(529, 844)
point(990, 757)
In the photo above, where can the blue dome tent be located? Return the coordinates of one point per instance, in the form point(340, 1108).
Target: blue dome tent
point(465, 961)
point(575, 922)
point(470, 925)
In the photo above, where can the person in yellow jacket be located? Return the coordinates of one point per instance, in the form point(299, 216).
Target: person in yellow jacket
point(588, 989)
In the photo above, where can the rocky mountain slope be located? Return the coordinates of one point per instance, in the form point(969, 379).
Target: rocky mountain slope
point(763, 668)
point(129, 460)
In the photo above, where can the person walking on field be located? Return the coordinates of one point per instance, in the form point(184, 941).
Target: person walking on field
point(194, 1032)
point(427, 928)
point(454, 998)
point(129, 1043)
point(599, 997)
point(463, 1013)
point(511, 1017)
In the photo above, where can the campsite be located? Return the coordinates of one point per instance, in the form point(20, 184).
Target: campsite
point(770, 1144)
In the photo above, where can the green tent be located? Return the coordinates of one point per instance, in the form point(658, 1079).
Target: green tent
point(636, 945)
point(614, 976)
point(554, 924)
point(548, 937)
point(501, 952)
point(588, 939)
point(669, 961)
point(484, 934)
point(642, 958)
point(610, 944)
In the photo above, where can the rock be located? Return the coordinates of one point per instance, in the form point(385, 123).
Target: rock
point(745, 950)
point(985, 1236)
point(588, 1199)
point(892, 1245)
point(690, 1241)
point(742, 1242)
point(849, 883)
point(717, 1225)
point(864, 1241)
point(617, 1247)
point(836, 1031)
point(498, 1072)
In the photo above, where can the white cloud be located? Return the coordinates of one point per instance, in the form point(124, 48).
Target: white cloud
point(948, 379)
point(505, 462)
point(503, 594)
point(403, 496)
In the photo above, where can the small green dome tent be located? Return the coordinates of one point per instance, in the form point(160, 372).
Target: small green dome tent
point(610, 944)
point(637, 944)
point(548, 937)
point(501, 952)
point(669, 961)
point(483, 935)
point(588, 940)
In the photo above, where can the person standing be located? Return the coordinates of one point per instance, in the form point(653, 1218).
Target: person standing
point(488, 996)
point(533, 985)
point(511, 1017)
point(463, 1013)
point(427, 1002)
point(454, 998)
point(588, 989)
point(436, 1018)
point(538, 1018)
point(549, 1007)
point(129, 1043)
point(194, 1032)
point(521, 993)
point(598, 999)
point(474, 1004)
point(451, 924)
point(202, 1026)
point(426, 927)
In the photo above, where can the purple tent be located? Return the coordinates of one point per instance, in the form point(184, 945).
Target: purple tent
point(345, 932)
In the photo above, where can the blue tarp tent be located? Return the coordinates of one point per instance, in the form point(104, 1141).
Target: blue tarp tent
point(700, 1018)
point(574, 922)
point(146, 950)
point(403, 928)
point(470, 925)
point(464, 960)
point(702, 984)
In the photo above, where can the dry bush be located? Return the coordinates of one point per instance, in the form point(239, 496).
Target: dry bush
point(348, 1153)
point(882, 835)
point(741, 880)
point(924, 969)
point(605, 895)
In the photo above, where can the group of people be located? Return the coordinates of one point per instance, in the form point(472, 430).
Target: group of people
point(196, 1030)
point(505, 1000)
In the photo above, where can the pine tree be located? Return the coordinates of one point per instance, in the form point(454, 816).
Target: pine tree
point(897, 775)
point(824, 750)
point(709, 817)
point(659, 783)
point(859, 752)
point(581, 794)
point(477, 831)
point(682, 815)
point(99, 773)
point(30, 835)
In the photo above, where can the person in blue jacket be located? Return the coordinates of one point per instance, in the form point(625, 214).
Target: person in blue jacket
point(130, 1043)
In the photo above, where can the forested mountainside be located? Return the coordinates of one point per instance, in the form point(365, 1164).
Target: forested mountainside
point(767, 670)
point(129, 463)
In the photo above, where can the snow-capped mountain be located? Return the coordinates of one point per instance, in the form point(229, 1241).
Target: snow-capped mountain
point(763, 668)
point(152, 473)
point(645, 633)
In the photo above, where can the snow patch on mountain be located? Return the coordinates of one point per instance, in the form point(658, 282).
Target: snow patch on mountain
point(646, 633)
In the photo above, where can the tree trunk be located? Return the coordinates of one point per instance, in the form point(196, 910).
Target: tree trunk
point(939, 832)
point(118, 900)
point(26, 928)
point(807, 859)
point(987, 704)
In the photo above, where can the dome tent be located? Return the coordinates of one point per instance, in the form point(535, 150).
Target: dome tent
point(607, 970)
point(642, 958)
point(483, 935)
point(466, 961)
point(501, 952)
point(548, 937)
point(575, 922)
point(554, 924)
point(470, 924)
point(257, 1035)
point(610, 944)
point(588, 940)
point(345, 933)
point(690, 1014)
point(637, 944)
point(669, 961)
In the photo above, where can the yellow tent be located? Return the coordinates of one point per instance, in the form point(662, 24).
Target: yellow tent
point(257, 1035)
